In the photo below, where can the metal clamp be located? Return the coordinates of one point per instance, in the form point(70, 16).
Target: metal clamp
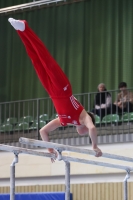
point(127, 176)
point(59, 154)
point(15, 160)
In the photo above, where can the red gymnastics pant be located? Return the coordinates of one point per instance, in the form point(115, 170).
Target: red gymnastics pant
point(50, 74)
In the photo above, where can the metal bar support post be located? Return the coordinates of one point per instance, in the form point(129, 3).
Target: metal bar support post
point(67, 180)
point(125, 185)
point(67, 174)
point(12, 177)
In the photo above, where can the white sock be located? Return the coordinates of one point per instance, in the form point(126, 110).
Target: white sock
point(18, 25)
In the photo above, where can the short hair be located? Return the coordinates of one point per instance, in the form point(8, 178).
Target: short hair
point(101, 84)
point(122, 84)
point(92, 117)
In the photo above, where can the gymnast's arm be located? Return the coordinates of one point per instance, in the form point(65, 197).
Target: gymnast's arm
point(51, 126)
point(86, 120)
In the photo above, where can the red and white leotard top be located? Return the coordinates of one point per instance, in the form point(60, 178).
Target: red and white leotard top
point(68, 109)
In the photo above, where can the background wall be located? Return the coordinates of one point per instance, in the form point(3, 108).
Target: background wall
point(91, 40)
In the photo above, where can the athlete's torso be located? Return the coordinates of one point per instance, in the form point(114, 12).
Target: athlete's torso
point(68, 109)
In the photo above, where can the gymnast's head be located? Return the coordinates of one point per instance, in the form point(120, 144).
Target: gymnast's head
point(92, 117)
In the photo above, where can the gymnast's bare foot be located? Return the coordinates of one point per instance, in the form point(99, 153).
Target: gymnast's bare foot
point(17, 24)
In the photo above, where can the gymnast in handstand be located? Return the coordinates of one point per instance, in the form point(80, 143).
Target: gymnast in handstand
point(53, 79)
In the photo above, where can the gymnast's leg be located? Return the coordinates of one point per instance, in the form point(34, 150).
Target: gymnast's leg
point(43, 62)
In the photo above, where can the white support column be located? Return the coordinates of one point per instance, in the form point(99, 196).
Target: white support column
point(125, 186)
point(67, 180)
point(12, 177)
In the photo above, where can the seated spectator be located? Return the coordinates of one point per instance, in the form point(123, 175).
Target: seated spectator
point(102, 101)
point(124, 101)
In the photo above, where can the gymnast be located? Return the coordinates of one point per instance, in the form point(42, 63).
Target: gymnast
point(53, 79)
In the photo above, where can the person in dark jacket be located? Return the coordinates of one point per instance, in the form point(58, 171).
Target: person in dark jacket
point(102, 102)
